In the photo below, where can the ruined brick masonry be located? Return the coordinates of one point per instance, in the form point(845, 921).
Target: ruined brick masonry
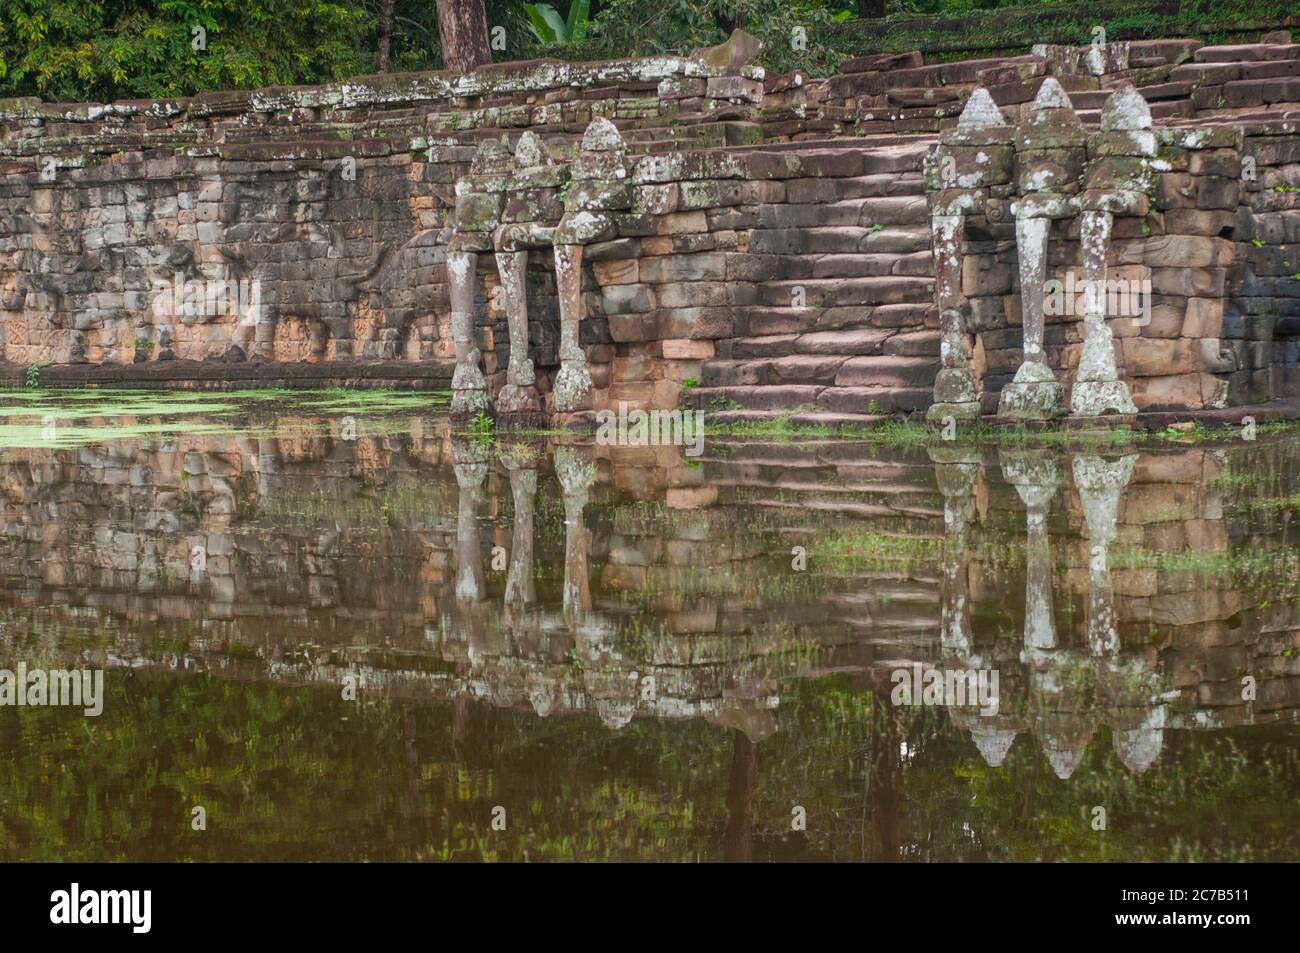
point(554, 238)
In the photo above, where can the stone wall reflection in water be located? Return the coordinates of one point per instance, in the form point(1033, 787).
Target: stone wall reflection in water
point(499, 594)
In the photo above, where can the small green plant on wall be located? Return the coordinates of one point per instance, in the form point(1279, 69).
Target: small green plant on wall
point(480, 426)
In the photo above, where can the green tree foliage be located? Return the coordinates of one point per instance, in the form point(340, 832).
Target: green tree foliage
point(795, 33)
point(73, 50)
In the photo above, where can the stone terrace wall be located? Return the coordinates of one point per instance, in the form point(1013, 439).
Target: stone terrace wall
point(756, 244)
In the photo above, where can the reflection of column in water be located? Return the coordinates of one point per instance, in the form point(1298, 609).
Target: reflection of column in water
point(955, 471)
point(520, 589)
point(1129, 685)
point(575, 479)
point(738, 838)
point(884, 779)
point(1061, 701)
point(471, 470)
point(1035, 477)
point(1100, 484)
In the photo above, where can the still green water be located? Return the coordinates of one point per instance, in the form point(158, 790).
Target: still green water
point(348, 633)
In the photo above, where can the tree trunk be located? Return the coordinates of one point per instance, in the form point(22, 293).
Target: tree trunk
point(871, 9)
point(384, 31)
point(462, 25)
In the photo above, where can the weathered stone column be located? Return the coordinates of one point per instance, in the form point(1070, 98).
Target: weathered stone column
point(1034, 394)
point(468, 385)
point(956, 394)
point(599, 186)
point(1097, 387)
point(573, 382)
point(520, 392)
point(1100, 485)
point(1119, 182)
point(575, 478)
point(1049, 152)
point(967, 161)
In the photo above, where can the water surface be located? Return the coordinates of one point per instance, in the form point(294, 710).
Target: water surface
point(628, 653)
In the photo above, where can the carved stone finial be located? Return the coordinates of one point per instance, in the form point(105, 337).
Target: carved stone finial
point(602, 136)
point(1125, 109)
point(981, 111)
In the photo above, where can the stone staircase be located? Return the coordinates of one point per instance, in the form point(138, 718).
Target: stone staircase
point(844, 328)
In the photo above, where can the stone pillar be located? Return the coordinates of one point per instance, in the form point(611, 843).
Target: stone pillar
point(519, 394)
point(1034, 394)
point(575, 478)
point(468, 385)
point(1119, 182)
point(956, 394)
point(572, 386)
point(599, 188)
point(969, 159)
point(1049, 154)
point(1100, 484)
point(1097, 387)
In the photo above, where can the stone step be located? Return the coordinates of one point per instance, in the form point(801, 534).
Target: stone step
point(1167, 51)
point(1247, 52)
point(841, 239)
point(861, 212)
point(854, 342)
point(888, 371)
point(792, 369)
point(762, 321)
point(825, 191)
point(833, 292)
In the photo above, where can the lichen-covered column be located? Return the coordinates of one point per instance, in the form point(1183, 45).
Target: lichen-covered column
point(955, 392)
point(1100, 485)
point(966, 163)
point(575, 478)
point(519, 394)
point(1035, 393)
point(468, 384)
point(1097, 387)
point(573, 381)
point(1120, 181)
point(599, 188)
point(1049, 153)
